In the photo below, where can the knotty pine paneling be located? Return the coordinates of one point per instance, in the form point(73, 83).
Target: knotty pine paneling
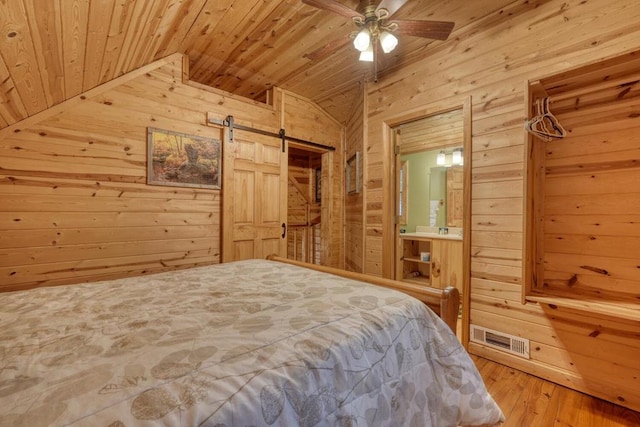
point(239, 46)
point(97, 36)
point(490, 60)
point(74, 203)
point(75, 206)
point(582, 261)
point(46, 34)
point(307, 121)
point(353, 204)
point(19, 51)
point(438, 131)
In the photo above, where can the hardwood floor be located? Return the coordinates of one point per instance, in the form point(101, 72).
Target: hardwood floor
point(528, 401)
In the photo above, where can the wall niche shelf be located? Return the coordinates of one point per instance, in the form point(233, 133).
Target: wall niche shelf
point(444, 267)
point(411, 267)
point(618, 309)
point(582, 224)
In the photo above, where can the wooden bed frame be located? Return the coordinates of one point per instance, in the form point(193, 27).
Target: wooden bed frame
point(445, 302)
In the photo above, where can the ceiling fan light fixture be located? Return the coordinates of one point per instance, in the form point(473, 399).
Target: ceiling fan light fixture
point(362, 40)
point(367, 54)
point(388, 41)
point(374, 23)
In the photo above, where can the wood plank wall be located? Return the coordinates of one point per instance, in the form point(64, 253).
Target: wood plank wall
point(353, 204)
point(584, 237)
point(439, 131)
point(307, 121)
point(74, 204)
point(490, 60)
point(591, 193)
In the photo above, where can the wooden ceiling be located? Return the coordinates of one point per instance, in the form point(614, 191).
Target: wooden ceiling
point(52, 50)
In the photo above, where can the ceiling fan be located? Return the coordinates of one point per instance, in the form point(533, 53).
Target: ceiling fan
point(375, 25)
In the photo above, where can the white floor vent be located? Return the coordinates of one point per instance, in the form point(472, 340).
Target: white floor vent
point(500, 341)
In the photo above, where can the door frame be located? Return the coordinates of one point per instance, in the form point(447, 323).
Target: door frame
point(326, 194)
point(390, 230)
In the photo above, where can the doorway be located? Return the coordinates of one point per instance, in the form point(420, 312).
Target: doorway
point(305, 234)
point(430, 231)
point(429, 162)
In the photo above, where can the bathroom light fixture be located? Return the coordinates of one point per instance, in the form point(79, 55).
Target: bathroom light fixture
point(440, 158)
point(456, 156)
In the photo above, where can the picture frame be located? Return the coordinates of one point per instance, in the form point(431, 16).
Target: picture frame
point(183, 160)
point(352, 178)
point(318, 178)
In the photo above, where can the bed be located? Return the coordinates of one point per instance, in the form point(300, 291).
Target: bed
point(246, 343)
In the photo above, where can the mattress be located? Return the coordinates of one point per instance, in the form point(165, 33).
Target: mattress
point(247, 343)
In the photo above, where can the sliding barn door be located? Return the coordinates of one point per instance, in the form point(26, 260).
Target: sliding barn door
point(254, 196)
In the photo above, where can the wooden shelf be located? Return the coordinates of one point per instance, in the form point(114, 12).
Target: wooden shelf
point(616, 309)
point(444, 267)
point(420, 280)
point(415, 259)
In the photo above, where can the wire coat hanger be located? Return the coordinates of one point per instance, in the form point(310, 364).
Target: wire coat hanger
point(544, 124)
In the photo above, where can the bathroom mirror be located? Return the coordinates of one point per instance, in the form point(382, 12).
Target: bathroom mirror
point(432, 189)
point(437, 197)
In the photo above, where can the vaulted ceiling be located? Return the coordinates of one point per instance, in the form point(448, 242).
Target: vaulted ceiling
point(52, 50)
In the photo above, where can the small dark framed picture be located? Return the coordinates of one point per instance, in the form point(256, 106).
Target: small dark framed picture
point(318, 176)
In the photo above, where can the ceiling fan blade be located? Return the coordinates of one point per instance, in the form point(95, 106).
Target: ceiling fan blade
point(438, 30)
point(328, 49)
point(335, 7)
point(391, 5)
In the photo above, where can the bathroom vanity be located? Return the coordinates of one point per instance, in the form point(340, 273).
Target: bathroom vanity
point(431, 259)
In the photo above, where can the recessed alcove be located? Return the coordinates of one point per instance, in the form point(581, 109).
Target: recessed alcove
point(583, 189)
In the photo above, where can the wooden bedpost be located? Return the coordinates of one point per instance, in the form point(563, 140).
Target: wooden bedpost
point(444, 302)
point(450, 307)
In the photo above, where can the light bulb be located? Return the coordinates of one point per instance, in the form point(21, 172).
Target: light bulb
point(440, 158)
point(367, 55)
point(362, 40)
point(388, 41)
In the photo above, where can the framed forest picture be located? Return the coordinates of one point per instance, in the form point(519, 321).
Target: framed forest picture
point(178, 159)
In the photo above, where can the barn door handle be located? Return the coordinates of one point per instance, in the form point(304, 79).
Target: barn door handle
point(284, 230)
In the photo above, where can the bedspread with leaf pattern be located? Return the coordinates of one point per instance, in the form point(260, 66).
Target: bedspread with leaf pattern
point(248, 343)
